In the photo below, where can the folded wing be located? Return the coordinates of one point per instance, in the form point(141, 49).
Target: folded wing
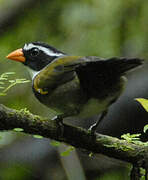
point(93, 72)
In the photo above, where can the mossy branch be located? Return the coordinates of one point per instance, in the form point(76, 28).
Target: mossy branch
point(136, 154)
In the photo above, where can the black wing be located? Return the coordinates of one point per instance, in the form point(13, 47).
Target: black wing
point(98, 77)
point(95, 74)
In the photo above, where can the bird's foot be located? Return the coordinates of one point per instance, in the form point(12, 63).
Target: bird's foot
point(58, 119)
point(60, 124)
point(93, 127)
point(92, 130)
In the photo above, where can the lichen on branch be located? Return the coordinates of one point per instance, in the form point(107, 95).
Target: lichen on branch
point(75, 136)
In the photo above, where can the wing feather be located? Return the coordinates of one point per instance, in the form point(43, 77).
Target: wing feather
point(93, 72)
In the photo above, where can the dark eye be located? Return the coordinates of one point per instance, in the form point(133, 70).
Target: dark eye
point(34, 52)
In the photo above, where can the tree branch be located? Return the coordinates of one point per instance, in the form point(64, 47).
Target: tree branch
point(78, 137)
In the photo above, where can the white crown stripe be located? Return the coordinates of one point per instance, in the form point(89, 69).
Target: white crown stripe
point(44, 49)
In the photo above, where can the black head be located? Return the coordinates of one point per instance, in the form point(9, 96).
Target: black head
point(35, 55)
point(38, 55)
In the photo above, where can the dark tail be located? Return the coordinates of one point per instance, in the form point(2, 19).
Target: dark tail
point(122, 65)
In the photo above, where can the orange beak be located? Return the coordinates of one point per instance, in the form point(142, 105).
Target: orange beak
point(17, 55)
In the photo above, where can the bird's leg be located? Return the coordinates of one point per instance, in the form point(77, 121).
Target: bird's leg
point(95, 125)
point(59, 121)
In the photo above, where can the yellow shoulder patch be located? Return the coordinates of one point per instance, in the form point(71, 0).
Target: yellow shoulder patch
point(54, 72)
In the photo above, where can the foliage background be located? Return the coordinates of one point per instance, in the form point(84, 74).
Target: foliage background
point(97, 27)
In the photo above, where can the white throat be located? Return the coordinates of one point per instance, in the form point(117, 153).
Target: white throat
point(32, 72)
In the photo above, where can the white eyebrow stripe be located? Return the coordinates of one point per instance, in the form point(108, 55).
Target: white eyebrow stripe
point(44, 49)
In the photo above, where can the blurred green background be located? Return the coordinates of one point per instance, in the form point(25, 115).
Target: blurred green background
point(97, 27)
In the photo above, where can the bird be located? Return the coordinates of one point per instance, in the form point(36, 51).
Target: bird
point(74, 86)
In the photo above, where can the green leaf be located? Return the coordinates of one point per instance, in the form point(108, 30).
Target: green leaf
point(24, 110)
point(3, 79)
point(37, 136)
point(18, 129)
point(67, 151)
point(22, 81)
point(130, 137)
point(142, 172)
point(143, 102)
point(3, 94)
point(145, 128)
point(55, 143)
point(9, 73)
point(11, 81)
point(91, 154)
